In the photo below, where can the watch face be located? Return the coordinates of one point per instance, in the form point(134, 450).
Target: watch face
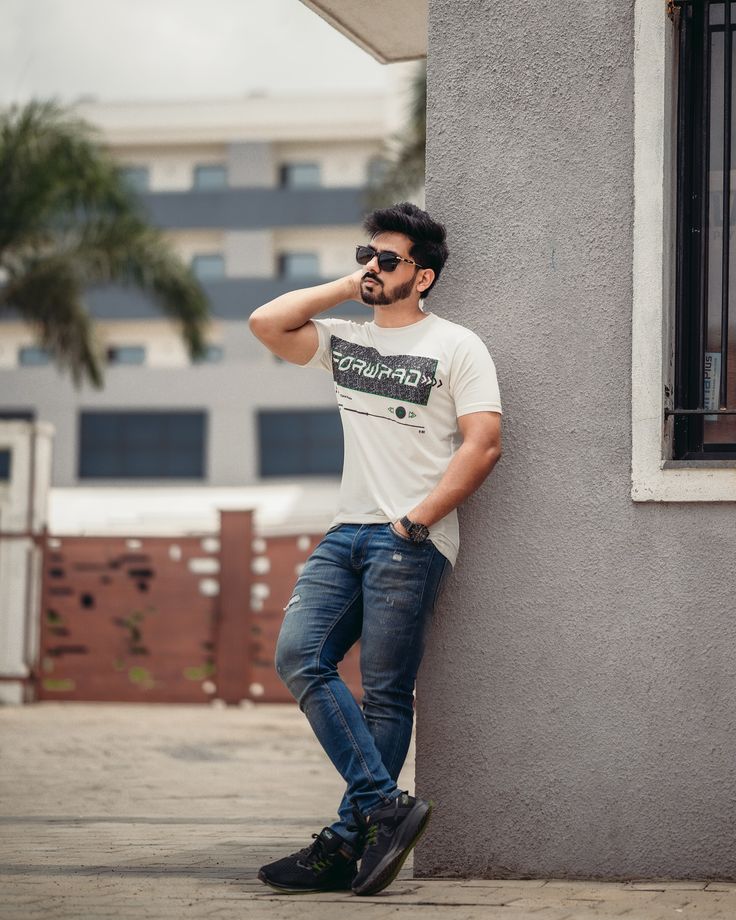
point(419, 533)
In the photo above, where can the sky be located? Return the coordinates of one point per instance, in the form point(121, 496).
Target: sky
point(175, 49)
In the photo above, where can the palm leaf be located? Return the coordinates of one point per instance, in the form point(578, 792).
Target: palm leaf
point(403, 177)
point(68, 218)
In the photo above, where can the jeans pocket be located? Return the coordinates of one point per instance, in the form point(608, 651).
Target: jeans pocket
point(400, 536)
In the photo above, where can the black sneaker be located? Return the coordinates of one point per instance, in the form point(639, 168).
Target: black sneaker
point(390, 833)
point(329, 864)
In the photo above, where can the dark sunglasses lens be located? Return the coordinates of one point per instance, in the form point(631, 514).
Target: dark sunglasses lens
point(363, 254)
point(387, 261)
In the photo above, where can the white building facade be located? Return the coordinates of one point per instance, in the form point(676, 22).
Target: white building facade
point(259, 195)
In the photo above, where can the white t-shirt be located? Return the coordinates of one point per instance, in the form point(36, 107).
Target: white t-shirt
point(400, 393)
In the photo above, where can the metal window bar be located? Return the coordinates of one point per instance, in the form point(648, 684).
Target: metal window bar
point(693, 115)
point(726, 210)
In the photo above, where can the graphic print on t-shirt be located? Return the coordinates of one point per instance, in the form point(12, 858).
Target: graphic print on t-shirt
point(407, 378)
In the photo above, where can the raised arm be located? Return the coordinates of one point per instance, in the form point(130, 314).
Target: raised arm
point(284, 324)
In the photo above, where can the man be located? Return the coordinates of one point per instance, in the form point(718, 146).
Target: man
point(410, 387)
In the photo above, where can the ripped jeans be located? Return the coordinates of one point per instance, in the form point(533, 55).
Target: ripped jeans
point(362, 581)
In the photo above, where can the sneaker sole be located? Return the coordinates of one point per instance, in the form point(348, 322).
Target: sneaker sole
point(390, 866)
point(282, 890)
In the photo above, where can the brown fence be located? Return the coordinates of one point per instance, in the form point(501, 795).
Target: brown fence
point(169, 620)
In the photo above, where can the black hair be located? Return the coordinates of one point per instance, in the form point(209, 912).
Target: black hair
point(427, 236)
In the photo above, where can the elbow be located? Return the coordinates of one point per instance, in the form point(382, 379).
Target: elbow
point(492, 457)
point(256, 324)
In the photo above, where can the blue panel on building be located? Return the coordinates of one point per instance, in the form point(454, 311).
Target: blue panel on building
point(142, 445)
point(301, 442)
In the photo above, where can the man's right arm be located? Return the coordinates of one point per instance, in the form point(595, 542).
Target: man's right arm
point(284, 324)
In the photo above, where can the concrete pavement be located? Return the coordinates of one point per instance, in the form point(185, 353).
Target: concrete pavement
point(122, 811)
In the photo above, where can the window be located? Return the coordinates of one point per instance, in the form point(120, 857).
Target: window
point(703, 409)
point(17, 415)
point(209, 267)
point(305, 442)
point(126, 354)
point(208, 178)
point(657, 473)
point(33, 356)
point(300, 175)
point(213, 355)
point(299, 265)
point(6, 456)
point(376, 170)
point(136, 177)
point(142, 445)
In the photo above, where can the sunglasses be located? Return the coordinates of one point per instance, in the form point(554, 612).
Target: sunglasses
point(387, 261)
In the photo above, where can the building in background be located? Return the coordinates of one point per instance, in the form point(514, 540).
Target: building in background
point(259, 195)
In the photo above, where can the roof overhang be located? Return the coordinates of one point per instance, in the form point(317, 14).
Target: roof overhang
point(388, 30)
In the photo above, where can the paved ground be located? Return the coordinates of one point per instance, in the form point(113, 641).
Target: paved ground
point(167, 812)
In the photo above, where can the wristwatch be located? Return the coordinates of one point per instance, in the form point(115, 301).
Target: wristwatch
point(418, 533)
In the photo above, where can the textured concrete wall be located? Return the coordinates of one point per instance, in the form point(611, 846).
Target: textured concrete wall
point(576, 703)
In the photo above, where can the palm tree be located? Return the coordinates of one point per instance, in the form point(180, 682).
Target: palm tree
point(68, 221)
point(403, 176)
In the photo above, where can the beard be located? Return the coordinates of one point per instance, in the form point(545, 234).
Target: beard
point(379, 298)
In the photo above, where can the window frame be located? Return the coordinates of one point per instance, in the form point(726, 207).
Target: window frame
point(127, 443)
point(694, 256)
point(297, 447)
point(654, 475)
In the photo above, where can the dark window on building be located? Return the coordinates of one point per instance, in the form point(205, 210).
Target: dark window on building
point(17, 415)
point(305, 442)
point(209, 267)
point(703, 410)
point(33, 356)
point(207, 178)
point(136, 177)
point(142, 445)
point(6, 456)
point(376, 170)
point(301, 175)
point(213, 355)
point(299, 265)
point(126, 354)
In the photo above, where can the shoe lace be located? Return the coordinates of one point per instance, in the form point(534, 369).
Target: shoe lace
point(314, 857)
point(371, 835)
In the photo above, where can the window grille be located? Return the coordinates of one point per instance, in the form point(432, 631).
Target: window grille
point(142, 445)
point(703, 407)
point(301, 442)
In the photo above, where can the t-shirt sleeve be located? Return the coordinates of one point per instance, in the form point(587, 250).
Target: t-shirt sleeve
point(322, 358)
point(473, 381)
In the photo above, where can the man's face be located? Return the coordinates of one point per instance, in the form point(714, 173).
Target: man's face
point(381, 288)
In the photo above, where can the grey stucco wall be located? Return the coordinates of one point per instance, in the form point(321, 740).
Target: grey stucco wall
point(576, 702)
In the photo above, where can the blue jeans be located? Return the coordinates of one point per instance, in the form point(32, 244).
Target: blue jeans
point(362, 581)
